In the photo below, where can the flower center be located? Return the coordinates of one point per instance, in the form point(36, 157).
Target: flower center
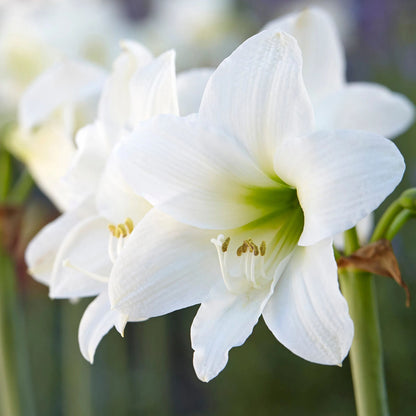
point(249, 272)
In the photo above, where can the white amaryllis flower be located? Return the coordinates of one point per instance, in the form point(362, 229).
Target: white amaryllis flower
point(75, 253)
point(247, 199)
point(338, 104)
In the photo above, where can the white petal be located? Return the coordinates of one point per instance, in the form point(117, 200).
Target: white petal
point(41, 251)
point(257, 95)
point(114, 106)
point(65, 83)
point(364, 106)
point(153, 89)
point(115, 199)
point(340, 177)
point(223, 321)
point(89, 160)
point(85, 247)
point(97, 320)
point(307, 312)
point(164, 266)
point(194, 173)
point(322, 52)
point(191, 85)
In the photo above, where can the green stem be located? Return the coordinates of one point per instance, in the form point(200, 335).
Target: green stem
point(16, 396)
point(385, 221)
point(398, 222)
point(366, 356)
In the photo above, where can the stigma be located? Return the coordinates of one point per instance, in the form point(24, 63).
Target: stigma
point(249, 271)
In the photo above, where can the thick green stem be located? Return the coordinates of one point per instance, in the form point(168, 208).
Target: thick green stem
point(366, 356)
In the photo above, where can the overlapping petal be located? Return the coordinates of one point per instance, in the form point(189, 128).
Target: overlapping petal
point(365, 106)
point(115, 200)
point(257, 95)
point(85, 248)
point(89, 160)
point(164, 266)
point(344, 176)
point(307, 312)
point(322, 52)
point(152, 89)
point(114, 106)
point(41, 251)
point(208, 183)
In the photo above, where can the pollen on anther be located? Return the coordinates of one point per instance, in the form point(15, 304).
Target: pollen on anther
point(225, 244)
point(263, 248)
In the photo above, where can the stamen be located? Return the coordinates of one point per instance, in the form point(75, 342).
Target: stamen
point(251, 272)
point(120, 232)
point(95, 276)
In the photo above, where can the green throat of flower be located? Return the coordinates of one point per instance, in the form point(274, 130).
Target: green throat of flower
point(251, 263)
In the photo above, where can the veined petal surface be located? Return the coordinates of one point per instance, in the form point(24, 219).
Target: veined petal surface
point(307, 312)
point(322, 51)
point(257, 95)
point(164, 266)
point(195, 173)
point(85, 248)
point(365, 106)
point(344, 176)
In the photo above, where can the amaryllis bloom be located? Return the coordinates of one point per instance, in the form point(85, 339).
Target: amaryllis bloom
point(74, 254)
point(247, 199)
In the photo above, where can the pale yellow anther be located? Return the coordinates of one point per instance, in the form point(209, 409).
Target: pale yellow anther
point(122, 230)
point(129, 224)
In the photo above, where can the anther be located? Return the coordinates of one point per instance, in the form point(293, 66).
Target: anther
point(225, 244)
point(263, 248)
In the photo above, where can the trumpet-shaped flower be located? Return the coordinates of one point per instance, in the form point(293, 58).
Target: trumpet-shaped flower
point(246, 201)
point(74, 254)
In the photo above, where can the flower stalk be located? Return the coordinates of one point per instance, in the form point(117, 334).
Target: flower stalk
point(366, 355)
